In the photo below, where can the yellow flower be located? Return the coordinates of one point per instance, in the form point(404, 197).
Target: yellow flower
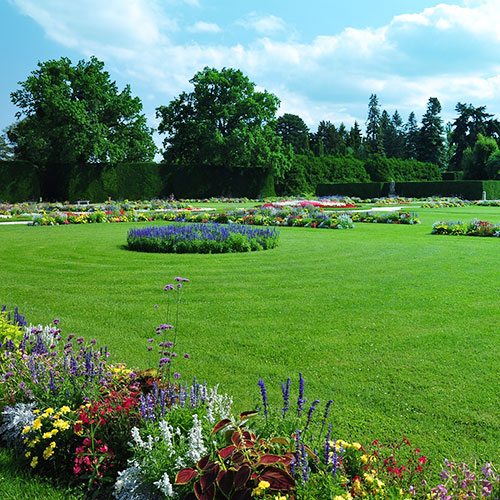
point(356, 446)
point(25, 440)
point(47, 435)
point(34, 462)
point(48, 452)
point(54, 432)
point(36, 412)
point(263, 485)
point(279, 497)
point(26, 430)
point(61, 424)
point(27, 454)
point(338, 497)
point(52, 444)
point(37, 424)
point(33, 443)
point(364, 459)
point(64, 409)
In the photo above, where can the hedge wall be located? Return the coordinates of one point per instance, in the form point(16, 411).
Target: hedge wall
point(308, 171)
point(133, 181)
point(18, 182)
point(471, 190)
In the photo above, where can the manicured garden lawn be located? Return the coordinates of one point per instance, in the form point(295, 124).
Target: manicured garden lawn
point(398, 326)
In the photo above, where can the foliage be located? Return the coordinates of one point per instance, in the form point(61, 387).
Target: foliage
point(430, 139)
point(389, 217)
point(374, 144)
point(201, 238)
point(476, 162)
point(223, 122)
point(18, 181)
point(293, 130)
point(470, 122)
point(76, 114)
point(474, 228)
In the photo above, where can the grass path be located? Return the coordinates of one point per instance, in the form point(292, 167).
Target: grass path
point(399, 327)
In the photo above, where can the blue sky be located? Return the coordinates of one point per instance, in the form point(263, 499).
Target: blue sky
point(322, 58)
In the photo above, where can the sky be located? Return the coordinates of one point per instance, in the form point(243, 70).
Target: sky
point(322, 58)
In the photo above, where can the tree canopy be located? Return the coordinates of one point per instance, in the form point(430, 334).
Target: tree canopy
point(224, 122)
point(76, 115)
point(293, 130)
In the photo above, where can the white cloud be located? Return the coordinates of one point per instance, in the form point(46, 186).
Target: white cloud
point(204, 27)
point(264, 25)
point(447, 51)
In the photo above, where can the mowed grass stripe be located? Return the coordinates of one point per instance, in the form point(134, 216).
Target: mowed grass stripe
point(398, 326)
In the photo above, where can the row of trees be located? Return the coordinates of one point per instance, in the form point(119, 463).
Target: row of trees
point(75, 114)
point(461, 145)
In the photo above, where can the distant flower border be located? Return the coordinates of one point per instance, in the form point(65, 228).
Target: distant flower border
point(474, 228)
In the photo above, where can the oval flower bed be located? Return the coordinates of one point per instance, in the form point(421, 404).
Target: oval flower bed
point(474, 228)
point(201, 238)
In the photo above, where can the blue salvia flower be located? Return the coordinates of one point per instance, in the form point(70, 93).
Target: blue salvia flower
point(305, 468)
point(301, 400)
point(285, 391)
point(144, 414)
point(309, 414)
point(264, 396)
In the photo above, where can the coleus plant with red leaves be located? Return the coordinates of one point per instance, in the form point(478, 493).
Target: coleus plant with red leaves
point(234, 470)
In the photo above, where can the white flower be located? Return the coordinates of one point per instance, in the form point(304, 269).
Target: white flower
point(165, 486)
point(195, 441)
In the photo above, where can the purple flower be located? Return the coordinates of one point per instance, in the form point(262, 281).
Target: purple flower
point(68, 345)
point(150, 348)
point(70, 336)
point(57, 321)
point(168, 344)
point(93, 341)
point(151, 340)
point(264, 395)
point(185, 280)
point(186, 355)
point(80, 340)
point(165, 327)
point(301, 400)
point(156, 306)
point(164, 361)
point(168, 287)
point(177, 375)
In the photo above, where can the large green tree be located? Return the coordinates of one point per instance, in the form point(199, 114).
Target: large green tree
point(293, 130)
point(411, 133)
point(331, 138)
point(470, 122)
point(374, 142)
point(223, 122)
point(75, 114)
point(431, 140)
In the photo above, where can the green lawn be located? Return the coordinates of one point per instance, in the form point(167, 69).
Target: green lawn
point(398, 326)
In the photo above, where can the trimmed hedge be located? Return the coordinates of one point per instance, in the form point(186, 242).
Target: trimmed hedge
point(307, 172)
point(471, 190)
point(18, 181)
point(382, 169)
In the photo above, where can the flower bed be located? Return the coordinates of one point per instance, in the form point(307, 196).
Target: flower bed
point(474, 228)
point(201, 238)
point(388, 218)
point(72, 413)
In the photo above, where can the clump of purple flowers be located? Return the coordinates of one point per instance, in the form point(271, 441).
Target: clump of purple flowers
point(202, 238)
